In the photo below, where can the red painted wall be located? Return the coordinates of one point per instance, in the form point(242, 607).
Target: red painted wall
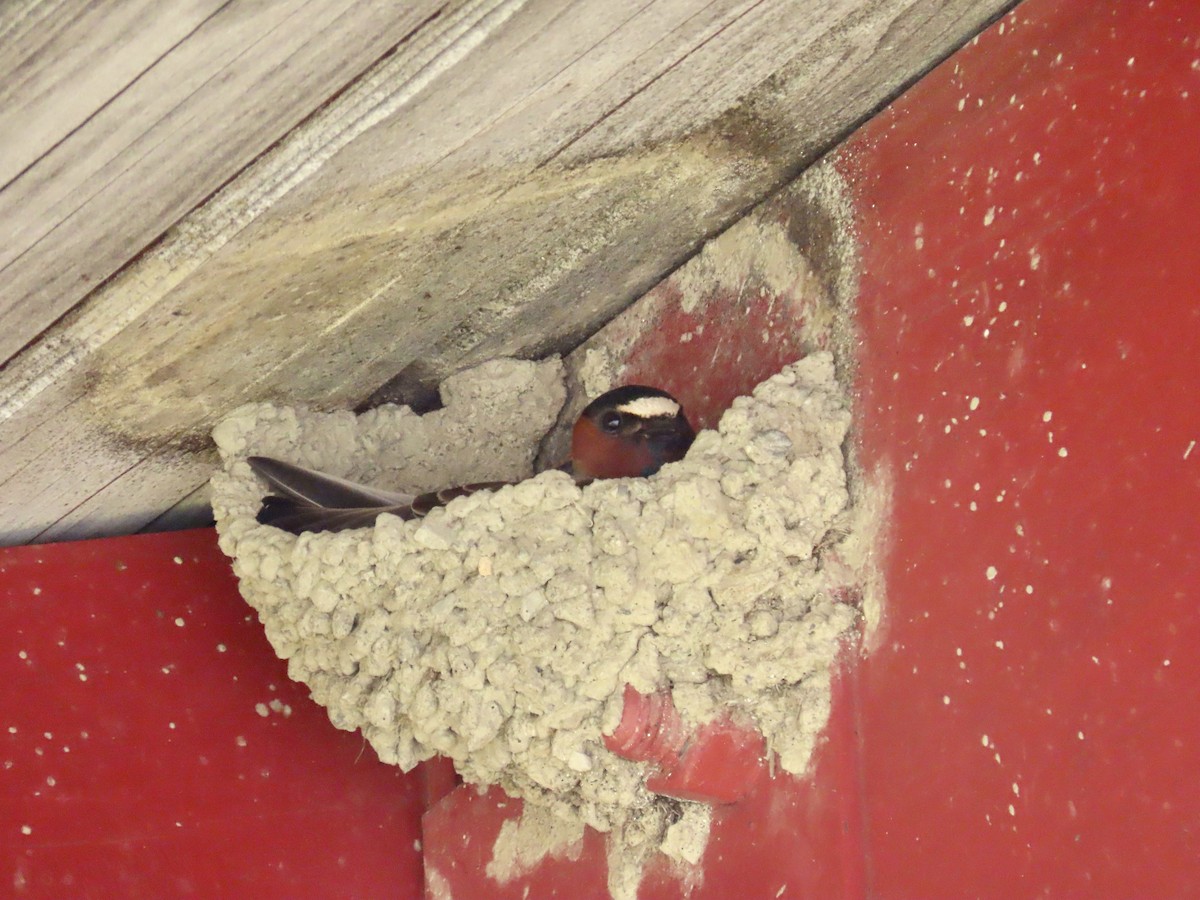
point(1029, 221)
point(1025, 724)
point(151, 744)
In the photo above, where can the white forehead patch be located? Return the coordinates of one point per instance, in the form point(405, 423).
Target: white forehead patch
point(650, 407)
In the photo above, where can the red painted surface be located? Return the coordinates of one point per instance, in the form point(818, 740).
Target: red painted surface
point(1024, 723)
point(135, 760)
point(651, 729)
point(788, 837)
point(720, 762)
point(736, 336)
point(1028, 215)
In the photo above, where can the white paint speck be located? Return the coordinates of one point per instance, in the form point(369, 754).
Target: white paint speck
point(1035, 259)
point(178, 560)
point(1190, 448)
point(1029, 588)
point(240, 741)
point(1047, 416)
point(945, 699)
point(1012, 810)
point(985, 741)
point(990, 216)
point(991, 573)
point(221, 648)
point(1129, 62)
point(1062, 451)
point(1079, 734)
point(999, 645)
point(25, 829)
point(261, 709)
point(968, 321)
point(179, 621)
point(974, 404)
point(1166, 662)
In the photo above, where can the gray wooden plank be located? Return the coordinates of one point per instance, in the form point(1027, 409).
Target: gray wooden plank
point(57, 449)
point(469, 217)
point(122, 505)
point(197, 116)
point(61, 61)
point(193, 511)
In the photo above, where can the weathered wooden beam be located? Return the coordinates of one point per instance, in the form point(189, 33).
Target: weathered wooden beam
point(118, 119)
point(506, 180)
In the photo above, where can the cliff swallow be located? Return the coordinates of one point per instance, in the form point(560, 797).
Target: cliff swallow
point(629, 432)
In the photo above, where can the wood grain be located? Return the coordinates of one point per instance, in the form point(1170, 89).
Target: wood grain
point(64, 60)
point(506, 180)
point(149, 153)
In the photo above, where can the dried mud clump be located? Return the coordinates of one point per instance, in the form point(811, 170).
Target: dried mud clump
point(501, 630)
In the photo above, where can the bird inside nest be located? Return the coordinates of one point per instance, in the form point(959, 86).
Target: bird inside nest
point(628, 432)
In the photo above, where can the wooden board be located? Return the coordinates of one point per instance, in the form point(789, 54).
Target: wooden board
point(184, 100)
point(504, 179)
point(59, 66)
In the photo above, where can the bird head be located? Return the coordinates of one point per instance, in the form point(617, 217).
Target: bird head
point(629, 432)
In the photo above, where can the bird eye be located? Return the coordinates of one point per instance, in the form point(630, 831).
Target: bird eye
point(610, 421)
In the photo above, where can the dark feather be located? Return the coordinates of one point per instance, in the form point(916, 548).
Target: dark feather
point(314, 501)
point(296, 516)
point(319, 489)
